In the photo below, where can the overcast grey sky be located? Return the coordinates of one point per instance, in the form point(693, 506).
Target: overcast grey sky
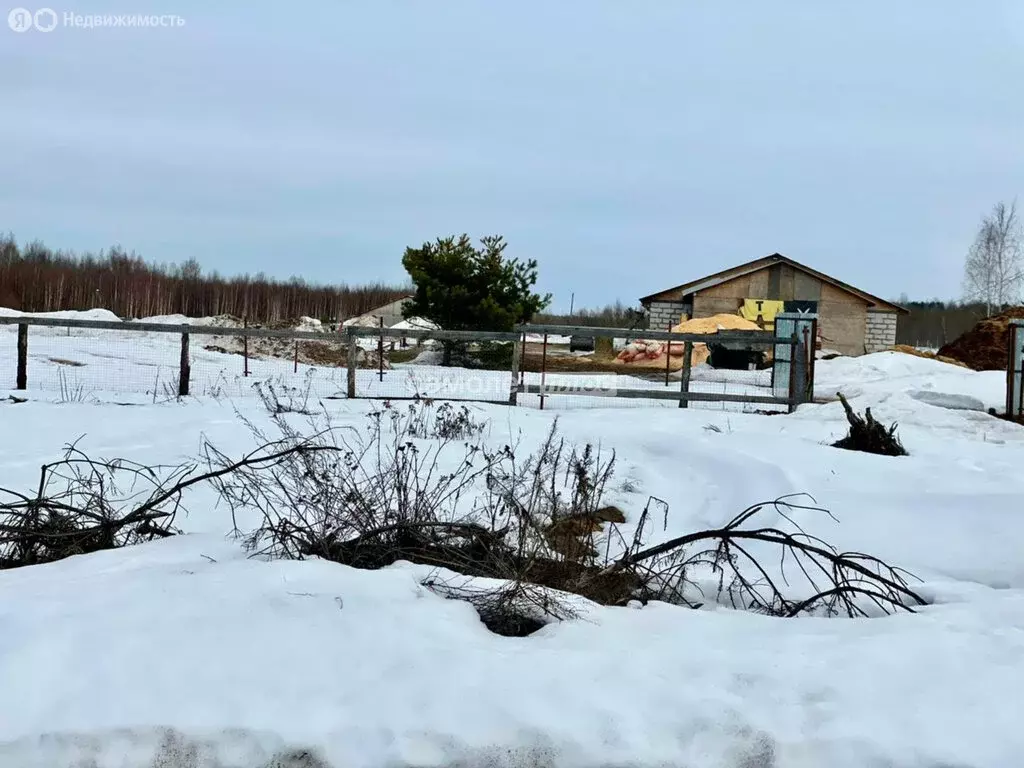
point(627, 146)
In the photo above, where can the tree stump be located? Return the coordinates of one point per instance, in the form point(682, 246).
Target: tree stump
point(868, 435)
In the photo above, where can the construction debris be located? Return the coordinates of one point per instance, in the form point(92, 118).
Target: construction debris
point(651, 354)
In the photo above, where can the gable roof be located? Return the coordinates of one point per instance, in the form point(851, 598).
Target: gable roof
point(763, 263)
point(371, 316)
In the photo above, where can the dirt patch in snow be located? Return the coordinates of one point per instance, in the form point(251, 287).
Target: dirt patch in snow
point(319, 353)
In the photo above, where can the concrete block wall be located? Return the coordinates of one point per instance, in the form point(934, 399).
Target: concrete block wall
point(880, 331)
point(661, 314)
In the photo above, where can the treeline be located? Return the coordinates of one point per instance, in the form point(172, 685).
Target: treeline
point(935, 323)
point(35, 278)
point(616, 315)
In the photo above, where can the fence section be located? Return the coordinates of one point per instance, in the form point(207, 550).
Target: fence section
point(742, 370)
point(1015, 371)
point(78, 359)
point(534, 366)
point(407, 364)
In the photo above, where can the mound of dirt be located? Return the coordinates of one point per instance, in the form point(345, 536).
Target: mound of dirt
point(984, 347)
point(327, 353)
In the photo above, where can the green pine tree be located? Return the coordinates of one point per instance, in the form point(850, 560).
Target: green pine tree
point(464, 288)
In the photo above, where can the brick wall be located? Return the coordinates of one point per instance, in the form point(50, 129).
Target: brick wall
point(880, 331)
point(662, 314)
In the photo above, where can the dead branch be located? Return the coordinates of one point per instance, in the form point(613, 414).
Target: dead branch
point(836, 578)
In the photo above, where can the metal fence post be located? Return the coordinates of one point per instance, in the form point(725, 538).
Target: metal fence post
point(184, 368)
point(791, 384)
point(1015, 370)
point(517, 352)
point(684, 381)
point(1020, 369)
point(522, 361)
point(353, 363)
point(1011, 338)
point(543, 369)
point(812, 356)
point(798, 375)
point(22, 375)
point(380, 349)
point(668, 357)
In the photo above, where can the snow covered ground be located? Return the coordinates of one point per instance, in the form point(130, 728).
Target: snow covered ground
point(188, 653)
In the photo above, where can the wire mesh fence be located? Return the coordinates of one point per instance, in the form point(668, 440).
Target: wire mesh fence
point(446, 365)
point(82, 360)
point(74, 363)
point(732, 371)
point(547, 367)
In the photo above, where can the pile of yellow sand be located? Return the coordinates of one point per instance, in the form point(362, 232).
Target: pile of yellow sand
point(716, 323)
point(651, 354)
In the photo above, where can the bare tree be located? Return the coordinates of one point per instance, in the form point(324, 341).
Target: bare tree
point(34, 278)
point(994, 269)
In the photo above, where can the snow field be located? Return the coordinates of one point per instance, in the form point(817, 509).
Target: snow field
point(244, 659)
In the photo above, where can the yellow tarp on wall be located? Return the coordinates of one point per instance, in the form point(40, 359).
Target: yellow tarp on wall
point(762, 311)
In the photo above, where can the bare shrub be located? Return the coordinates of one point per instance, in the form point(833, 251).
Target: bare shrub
point(82, 505)
point(70, 391)
point(362, 487)
point(520, 538)
point(411, 486)
point(537, 525)
point(282, 397)
point(448, 423)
